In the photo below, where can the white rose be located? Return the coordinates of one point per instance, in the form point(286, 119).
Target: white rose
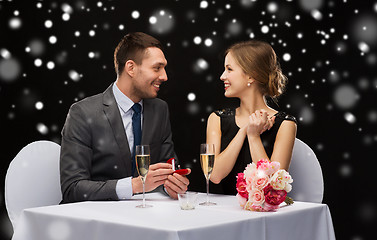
point(281, 180)
point(288, 187)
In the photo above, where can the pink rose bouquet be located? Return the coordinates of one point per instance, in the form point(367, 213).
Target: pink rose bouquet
point(263, 186)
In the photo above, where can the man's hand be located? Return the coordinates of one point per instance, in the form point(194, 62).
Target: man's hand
point(175, 184)
point(157, 175)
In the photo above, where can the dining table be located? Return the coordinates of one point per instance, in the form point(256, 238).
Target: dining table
point(166, 220)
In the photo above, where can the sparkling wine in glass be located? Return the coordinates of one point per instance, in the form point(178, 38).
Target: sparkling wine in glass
point(207, 159)
point(143, 159)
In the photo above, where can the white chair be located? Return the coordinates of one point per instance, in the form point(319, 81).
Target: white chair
point(33, 179)
point(306, 172)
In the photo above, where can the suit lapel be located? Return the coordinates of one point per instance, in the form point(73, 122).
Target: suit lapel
point(112, 113)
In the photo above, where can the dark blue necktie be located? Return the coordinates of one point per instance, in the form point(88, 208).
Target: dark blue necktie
point(136, 127)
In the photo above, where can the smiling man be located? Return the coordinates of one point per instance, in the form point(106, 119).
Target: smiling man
point(100, 132)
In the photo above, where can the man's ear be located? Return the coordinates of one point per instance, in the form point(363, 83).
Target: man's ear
point(129, 68)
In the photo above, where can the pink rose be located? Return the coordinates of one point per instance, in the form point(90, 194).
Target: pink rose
point(249, 173)
point(241, 186)
point(267, 166)
point(250, 206)
point(249, 187)
point(257, 197)
point(257, 208)
point(263, 164)
point(274, 197)
point(241, 200)
point(274, 167)
point(260, 180)
point(270, 208)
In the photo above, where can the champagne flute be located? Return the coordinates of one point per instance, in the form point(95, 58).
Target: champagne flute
point(143, 159)
point(207, 159)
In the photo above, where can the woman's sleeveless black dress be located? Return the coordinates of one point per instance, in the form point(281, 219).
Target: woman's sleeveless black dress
point(229, 130)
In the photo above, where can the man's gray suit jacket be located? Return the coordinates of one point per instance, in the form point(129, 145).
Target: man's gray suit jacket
point(95, 151)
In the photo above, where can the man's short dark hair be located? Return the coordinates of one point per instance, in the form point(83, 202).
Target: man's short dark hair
point(132, 47)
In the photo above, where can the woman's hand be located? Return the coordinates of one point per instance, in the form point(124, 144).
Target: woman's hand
point(259, 122)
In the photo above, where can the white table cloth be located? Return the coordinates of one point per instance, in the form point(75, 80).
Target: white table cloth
point(165, 220)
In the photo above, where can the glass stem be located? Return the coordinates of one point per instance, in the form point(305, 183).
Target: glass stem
point(143, 194)
point(207, 179)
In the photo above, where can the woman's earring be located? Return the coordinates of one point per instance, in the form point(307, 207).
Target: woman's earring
point(248, 84)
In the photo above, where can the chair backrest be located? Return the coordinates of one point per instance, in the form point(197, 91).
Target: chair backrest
point(306, 172)
point(33, 179)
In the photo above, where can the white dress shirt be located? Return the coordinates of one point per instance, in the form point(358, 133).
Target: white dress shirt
point(124, 185)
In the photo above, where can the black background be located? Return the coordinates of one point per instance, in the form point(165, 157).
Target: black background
point(332, 80)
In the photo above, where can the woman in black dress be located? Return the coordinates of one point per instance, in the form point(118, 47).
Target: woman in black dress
point(253, 131)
